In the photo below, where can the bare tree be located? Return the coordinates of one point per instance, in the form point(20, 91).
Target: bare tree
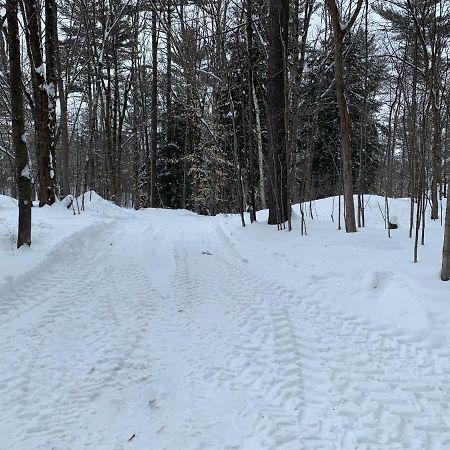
point(23, 172)
point(154, 136)
point(276, 111)
point(340, 30)
point(43, 128)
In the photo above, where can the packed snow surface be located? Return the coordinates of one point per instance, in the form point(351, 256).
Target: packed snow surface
point(162, 329)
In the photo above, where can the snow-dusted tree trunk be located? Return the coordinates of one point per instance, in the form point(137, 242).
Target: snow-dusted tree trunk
point(64, 172)
point(18, 127)
point(259, 142)
point(51, 45)
point(46, 171)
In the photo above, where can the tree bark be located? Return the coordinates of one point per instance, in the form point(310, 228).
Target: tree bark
point(259, 142)
point(251, 157)
point(445, 273)
point(276, 111)
point(51, 45)
point(23, 172)
point(65, 162)
point(154, 136)
point(340, 30)
point(41, 103)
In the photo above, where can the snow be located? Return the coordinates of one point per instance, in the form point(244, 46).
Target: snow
point(26, 172)
point(40, 70)
point(160, 329)
point(51, 91)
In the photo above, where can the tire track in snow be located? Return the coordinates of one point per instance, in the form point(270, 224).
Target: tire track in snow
point(66, 260)
point(81, 350)
point(256, 352)
point(365, 387)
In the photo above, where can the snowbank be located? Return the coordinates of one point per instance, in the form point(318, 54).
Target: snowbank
point(367, 273)
point(56, 231)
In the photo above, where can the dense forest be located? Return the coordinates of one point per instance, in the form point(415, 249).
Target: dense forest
point(228, 105)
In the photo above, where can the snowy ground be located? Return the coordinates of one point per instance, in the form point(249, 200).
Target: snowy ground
point(161, 330)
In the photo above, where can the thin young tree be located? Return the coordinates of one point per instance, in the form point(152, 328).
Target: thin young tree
point(445, 272)
point(18, 127)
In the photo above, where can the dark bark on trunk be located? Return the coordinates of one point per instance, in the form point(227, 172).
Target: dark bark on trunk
point(51, 45)
point(445, 273)
point(276, 111)
point(154, 136)
point(346, 150)
point(169, 118)
point(436, 157)
point(18, 128)
point(251, 152)
point(41, 104)
point(65, 163)
point(169, 75)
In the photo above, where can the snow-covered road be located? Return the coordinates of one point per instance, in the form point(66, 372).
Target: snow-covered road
point(156, 332)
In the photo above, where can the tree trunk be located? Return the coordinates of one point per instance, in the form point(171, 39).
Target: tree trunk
point(251, 157)
point(65, 165)
point(23, 172)
point(51, 45)
point(171, 200)
point(154, 137)
point(259, 142)
point(346, 150)
point(445, 273)
point(41, 104)
point(436, 157)
point(276, 111)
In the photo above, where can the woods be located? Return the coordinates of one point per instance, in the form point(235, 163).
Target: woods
point(224, 224)
point(221, 106)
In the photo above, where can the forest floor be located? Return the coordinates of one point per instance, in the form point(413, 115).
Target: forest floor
point(162, 329)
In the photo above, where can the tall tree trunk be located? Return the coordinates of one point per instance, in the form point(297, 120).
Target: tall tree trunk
point(154, 137)
point(251, 153)
point(65, 164)
point(339, 31)
point(172, 201)
point(23, 172)
point(276, 111)
point(436, 156)
point(169, 124)
point(346, 150)
point(259, 142)
point(51, 45)
point(41, 104)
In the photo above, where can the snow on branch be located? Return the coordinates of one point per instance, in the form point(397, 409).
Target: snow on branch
point(7, 152)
